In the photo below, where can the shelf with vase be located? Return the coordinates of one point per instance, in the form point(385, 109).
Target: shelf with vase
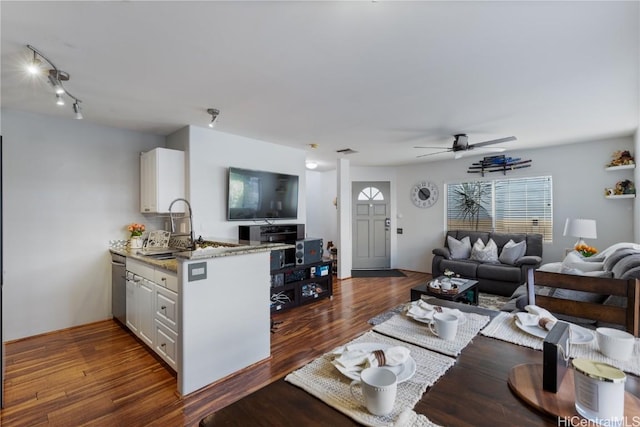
point(621, 196)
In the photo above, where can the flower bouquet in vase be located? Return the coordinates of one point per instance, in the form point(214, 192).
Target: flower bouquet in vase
point(136, 230)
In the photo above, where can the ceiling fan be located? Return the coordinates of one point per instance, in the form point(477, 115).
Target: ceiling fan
point(461, 145)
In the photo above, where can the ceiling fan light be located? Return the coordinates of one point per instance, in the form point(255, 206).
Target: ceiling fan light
point(311, 165)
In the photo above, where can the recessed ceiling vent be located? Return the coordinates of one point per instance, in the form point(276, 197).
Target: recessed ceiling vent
point(346, 151)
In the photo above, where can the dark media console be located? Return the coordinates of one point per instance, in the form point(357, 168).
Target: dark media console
point(298, 275)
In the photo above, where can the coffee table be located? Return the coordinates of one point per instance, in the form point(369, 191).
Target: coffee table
point(467, 291)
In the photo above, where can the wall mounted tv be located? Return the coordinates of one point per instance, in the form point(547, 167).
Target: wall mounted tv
point(262, 195)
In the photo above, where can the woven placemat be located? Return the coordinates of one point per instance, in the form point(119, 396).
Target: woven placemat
point(322, 380)
point(412, 331)
point(503, 327)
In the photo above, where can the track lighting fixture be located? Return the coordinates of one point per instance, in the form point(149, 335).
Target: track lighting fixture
point(214, 115)
point(77, 110)
point(55, 77)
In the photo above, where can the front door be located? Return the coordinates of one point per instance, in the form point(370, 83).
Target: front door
point(371, 225)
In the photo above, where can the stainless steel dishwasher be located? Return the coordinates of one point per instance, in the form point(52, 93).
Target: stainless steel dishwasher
point(119, 288)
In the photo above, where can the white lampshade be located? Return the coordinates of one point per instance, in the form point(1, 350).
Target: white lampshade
point(580, 228)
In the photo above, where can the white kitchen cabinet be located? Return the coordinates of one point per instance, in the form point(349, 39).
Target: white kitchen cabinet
point(152, 308)
point(145, 305)
point(166, 344)
point(162, 179)
point(140, 308)
point(132, 306)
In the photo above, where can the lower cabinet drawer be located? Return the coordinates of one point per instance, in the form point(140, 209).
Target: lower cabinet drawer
point(166, 344)
point(167, 307)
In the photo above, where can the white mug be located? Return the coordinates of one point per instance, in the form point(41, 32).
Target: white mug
point(379, 387)
point(446, 325)
point(445, 285)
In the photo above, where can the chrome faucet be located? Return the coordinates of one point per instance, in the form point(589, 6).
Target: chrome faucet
point(173, 226)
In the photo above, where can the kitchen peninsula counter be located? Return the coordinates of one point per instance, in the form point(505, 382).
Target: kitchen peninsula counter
point(223, 308)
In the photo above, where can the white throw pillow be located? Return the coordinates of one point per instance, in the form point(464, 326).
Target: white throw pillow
point(577, 261)
point(460, 249)
point(512, 252)
point(482, 253)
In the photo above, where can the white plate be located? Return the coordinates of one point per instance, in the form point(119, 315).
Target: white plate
point(403, 372)
point(579, 334)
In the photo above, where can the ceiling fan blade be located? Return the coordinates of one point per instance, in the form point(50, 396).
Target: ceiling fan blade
point(431, 154)
point(494, 141)
point(489, 149)
point(432, 148)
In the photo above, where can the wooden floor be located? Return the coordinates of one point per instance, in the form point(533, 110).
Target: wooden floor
point(100, 375)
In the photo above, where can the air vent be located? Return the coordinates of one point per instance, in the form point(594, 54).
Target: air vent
point(346, 151)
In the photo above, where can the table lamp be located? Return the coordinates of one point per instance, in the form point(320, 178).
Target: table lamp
point(580, 228)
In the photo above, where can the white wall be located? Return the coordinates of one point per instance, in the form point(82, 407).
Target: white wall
point(211, 153)
point(69, 187)
point(322, 214)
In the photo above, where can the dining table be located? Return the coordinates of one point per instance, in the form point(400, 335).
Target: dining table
point(474, 391)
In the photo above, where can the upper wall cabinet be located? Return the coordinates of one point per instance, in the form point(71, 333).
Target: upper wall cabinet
point(162, 179)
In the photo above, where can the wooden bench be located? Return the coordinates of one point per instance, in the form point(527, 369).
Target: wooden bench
point(628, 317)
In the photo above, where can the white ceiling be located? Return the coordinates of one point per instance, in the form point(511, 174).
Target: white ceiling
point(377, 77)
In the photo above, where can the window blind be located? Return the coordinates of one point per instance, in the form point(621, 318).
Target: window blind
point(517, 205)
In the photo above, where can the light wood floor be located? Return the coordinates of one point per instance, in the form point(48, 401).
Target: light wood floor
point(100, 375)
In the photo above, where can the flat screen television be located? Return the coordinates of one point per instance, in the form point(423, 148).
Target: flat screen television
point(262, 195)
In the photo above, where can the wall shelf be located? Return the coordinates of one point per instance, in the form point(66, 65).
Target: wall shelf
point(621, 196)
point(618, 168)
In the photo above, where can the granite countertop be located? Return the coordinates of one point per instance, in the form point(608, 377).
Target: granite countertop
point(226, 247)
point(167, 264)
point(211, 248)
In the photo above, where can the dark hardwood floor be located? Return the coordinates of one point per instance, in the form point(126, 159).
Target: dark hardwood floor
point(100, 375)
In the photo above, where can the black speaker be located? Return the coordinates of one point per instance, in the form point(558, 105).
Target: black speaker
point(277, 259)
point(308, 251)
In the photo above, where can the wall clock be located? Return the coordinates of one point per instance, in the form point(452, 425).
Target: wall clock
point(424, 194)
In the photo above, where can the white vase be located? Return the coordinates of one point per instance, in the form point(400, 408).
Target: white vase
point(135, 242)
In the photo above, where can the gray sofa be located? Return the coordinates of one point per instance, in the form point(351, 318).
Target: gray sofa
point(495, 277)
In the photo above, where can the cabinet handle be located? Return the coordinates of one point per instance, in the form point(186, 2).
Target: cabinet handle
point(164, 307)
point(164, 279)
point(163, 345)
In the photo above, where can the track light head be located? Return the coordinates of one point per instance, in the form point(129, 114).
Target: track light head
point(59, 99)
point(77, 110)
point(57, 86)
point(34, 67)
point(214, 115)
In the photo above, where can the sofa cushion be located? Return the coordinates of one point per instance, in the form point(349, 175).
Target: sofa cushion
point(512, 251)
point(460, 249)
point(500, 272)
point(464, 268)
point(484, 253)
point(534, 244)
